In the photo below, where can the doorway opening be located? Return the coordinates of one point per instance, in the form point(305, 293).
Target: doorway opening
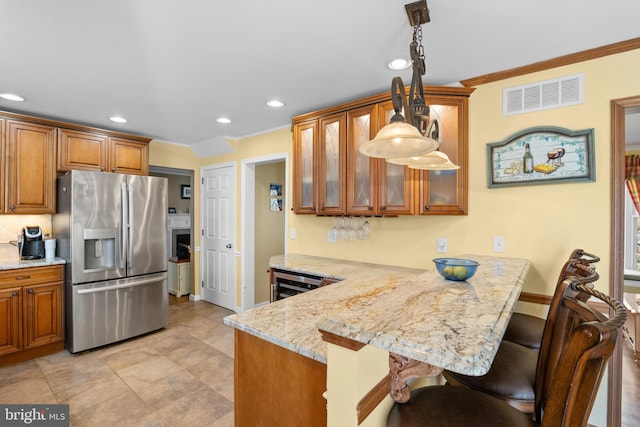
point(179, 223)
point(264, 217)
point(620, 109)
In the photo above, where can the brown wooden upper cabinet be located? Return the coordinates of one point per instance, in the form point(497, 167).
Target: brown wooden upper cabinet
point(3, 163)
point(445, 192)
point(28, 147)
point(331, 177)
point(29, 168)
point(101, 152)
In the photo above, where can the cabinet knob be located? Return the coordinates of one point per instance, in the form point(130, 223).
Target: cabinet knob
point(101, 169)
point(14, 293)
point(113, 169)
point(383, 208)
point(30, 291)
point(426, 207)
point(370, 208)
point(12, 208)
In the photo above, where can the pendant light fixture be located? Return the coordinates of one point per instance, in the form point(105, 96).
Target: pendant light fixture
point(403, 140)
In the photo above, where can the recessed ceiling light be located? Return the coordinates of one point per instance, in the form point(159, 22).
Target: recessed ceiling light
point(118, 119)
point(399, 64)
point(223, 120)
point(274, 103)
point(11, 97)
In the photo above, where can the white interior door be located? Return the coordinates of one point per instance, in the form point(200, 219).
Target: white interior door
point(218, 232)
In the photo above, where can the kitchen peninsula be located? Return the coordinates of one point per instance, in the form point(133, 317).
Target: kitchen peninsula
point(283, 366)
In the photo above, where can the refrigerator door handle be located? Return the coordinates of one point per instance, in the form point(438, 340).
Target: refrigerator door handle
point(142, 282)
point(124, 203)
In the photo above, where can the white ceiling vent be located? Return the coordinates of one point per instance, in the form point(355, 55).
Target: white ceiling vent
point(543, 95)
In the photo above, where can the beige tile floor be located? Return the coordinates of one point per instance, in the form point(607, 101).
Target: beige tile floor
point(179, 376)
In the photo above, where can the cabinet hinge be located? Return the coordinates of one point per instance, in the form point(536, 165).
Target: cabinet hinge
point(202, 179)
point(202, 283)
point(202, 232)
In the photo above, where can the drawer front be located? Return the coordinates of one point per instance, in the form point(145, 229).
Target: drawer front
point(30, 276)
point(179, 221)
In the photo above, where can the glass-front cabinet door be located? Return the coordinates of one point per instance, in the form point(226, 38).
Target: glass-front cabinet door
point(443, 192)
point(331, 177)
point(395, 182)
point(305, 135)
point(361, 170)
point(332, 160)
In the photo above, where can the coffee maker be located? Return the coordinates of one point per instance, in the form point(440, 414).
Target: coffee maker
point(31, 245)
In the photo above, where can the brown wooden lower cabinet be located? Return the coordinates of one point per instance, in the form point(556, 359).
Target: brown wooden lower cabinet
point(277, 387)
point(31, 313)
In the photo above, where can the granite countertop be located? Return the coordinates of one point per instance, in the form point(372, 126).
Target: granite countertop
point(411, 312)
point(10, 259)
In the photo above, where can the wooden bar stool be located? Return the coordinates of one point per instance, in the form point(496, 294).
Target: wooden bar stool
point(512, 374)
point(525, 329)
point(575, 349)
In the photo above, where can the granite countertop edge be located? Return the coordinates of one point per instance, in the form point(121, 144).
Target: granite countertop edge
point(294, 323)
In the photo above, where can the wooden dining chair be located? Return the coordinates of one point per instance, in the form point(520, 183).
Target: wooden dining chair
point(526, 329)
point(578, 341)
point(512, 374)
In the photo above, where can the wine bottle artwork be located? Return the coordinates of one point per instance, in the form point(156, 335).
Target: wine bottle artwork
point(527, 160)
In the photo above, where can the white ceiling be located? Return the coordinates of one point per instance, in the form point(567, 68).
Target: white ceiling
point(172, 67)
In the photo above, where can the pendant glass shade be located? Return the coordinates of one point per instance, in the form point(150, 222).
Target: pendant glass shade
point(444, 167)
point(421, 162)
point(398, 139)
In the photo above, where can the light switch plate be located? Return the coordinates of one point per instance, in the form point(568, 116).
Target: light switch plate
point(498, 244)
point(442, 245)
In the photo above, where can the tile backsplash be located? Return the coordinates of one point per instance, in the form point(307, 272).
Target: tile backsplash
point(11, 225)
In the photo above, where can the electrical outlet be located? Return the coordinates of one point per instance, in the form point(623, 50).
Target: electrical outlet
point(292, 234)
point(498, 244)
point(442, 245)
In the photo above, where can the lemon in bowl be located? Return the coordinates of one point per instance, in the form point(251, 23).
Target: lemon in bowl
point(458, 269)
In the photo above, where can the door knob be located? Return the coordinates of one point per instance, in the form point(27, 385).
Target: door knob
point(228, 246)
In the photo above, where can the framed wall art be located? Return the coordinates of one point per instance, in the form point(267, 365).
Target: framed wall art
point(275, 193)
point(185, 191)
point(542, 155)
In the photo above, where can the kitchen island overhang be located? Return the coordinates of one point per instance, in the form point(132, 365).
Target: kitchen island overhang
point(409, 312)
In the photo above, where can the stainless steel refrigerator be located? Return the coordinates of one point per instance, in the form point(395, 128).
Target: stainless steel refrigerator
point(111, 229)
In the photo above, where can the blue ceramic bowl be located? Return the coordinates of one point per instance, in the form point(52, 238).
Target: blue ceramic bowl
point(458, 269)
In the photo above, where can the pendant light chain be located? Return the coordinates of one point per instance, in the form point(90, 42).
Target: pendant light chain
point(419, 51)
point(411, 139)
point(419, 115)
